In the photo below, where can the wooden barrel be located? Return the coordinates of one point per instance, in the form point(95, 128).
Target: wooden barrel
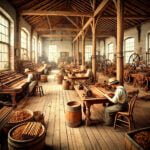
point(59, 78)
point(43, 78)
point(31, 144)
point(66, 84)
point(73, 114)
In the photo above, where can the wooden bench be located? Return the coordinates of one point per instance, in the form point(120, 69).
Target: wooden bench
point(12, 83)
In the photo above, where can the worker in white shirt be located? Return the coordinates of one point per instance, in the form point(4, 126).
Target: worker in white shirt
point(119, 101)
point(32, 82)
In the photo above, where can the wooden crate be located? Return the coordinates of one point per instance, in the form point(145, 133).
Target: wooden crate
point(130, 143)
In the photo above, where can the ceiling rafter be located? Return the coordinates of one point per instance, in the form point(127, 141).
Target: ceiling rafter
point(98, 10)
point(54, 13)
point(70, 20)
point(57, 29)
point(29, 4)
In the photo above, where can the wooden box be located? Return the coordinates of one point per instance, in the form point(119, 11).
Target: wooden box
point(131, 144)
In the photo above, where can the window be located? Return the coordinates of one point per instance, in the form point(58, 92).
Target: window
point(148, 50)
point(128, 49)
point(53, 54)
point(88, 52)
point(4, 43)
point(111, 51)
point(148, 41)
point(24, 45)
point(33, 48)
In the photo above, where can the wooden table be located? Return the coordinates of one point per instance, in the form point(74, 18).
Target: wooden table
point(13, 89)
point(87, 102)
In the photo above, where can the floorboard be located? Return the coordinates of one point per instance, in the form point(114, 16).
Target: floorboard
point(60, 136)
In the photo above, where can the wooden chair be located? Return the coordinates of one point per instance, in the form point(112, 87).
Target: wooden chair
point(126, 118)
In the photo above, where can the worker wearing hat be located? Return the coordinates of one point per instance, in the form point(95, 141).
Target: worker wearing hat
point(119, 101)
point(31, 81)
point(29, 73)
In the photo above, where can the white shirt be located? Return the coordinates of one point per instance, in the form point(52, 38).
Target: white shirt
point(88, 73)
point(30, 77)
point(120, 95)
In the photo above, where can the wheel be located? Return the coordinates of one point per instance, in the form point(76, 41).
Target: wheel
point(134, 60)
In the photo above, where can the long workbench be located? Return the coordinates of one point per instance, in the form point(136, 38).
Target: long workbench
point(96, 98)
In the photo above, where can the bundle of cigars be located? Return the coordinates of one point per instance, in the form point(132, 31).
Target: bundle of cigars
point(4, 112)
point(32, 130)
point(27, 131)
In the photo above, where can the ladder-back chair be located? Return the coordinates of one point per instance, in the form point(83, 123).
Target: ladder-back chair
point(126, 118)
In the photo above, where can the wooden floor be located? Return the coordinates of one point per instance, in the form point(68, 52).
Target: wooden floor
point(60, 136)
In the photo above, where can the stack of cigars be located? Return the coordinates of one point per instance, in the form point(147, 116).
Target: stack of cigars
point(31, 130)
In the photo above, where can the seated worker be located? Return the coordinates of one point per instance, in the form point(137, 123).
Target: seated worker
point(32, 82)
point(119, 101)
point(45, 66)
point(89, 74)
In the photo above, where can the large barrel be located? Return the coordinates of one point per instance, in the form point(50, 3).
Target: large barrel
point(66, 84)
point(59, 78)
point(73, 114)
point(30, 144)
point(43, 78)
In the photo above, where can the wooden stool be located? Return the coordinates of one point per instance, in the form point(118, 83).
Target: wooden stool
point(39, 90)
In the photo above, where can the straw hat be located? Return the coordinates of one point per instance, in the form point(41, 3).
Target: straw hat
point(26, 70)
point(112, 81)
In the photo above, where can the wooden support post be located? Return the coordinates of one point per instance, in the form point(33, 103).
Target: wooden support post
point(78, 52)
point(31, 44)
point(83, 48)
point(74, 53)
point(94, 48)
point(73, 56)
point(120, 33)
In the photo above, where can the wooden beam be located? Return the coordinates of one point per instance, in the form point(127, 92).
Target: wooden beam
point(126, 17)
point(83, 48)
point(57, 35)
point(53, 13)
point(72, 22)
point(101, 7)
point(120, 33)
point(78, 60)
point(94, 47)
point(99, 10)
point(57, 29)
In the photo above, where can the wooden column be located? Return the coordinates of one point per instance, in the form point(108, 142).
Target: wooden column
point(94, 48)
point(83, 48)
point(120, 33)
point(78, 52)
point(31, 37)
point(73, 52)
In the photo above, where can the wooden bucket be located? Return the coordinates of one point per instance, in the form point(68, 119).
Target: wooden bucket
point(59, 78)
point(43, 78)
point(66, 84)
point(73, 114)
point(32, 144)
